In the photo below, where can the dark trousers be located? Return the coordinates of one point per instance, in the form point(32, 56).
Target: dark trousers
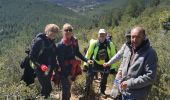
point(45, 82)
point(66, 87)
point(124, 97)
point(90, 76)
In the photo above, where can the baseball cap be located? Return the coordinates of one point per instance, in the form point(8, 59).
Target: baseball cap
point(102, 31)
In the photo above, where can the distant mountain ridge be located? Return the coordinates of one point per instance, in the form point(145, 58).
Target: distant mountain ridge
point(80, 1)
point(79, 5)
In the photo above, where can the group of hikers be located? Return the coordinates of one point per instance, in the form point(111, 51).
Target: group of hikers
point(137, 70)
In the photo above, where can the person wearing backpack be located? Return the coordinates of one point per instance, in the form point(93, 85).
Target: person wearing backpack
point(43, 57)
point(100, 51)
point(68, 49)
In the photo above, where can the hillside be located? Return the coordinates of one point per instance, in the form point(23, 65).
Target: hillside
point(90, 7)
point(105, 7)
point(79, 5)
point(24, 18)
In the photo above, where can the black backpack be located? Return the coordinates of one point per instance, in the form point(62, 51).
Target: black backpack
point(29, 75)
point(85, 49)
point(26, 60)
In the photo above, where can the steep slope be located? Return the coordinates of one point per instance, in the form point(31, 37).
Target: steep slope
point(25, 17)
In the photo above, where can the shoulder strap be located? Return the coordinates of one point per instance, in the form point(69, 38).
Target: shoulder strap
point(42, 49)
point(95, 45)
point(108, 44)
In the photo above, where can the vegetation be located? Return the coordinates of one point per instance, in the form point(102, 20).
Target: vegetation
point(21, 19)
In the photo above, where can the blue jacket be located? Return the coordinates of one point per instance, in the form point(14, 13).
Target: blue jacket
point(66, 53)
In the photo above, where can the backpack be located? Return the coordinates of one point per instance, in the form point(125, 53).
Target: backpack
point(108, 44)
point(26, 60)
point(85, 49)
point(109, 37)
point(102, 53)
point(29, 75)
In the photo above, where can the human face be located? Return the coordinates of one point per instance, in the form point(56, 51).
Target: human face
point(52, 35)
point(137, 38)
point(102, 37)
point(68, 32)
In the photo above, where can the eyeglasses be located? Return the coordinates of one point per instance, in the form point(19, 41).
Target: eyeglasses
point(68, 30)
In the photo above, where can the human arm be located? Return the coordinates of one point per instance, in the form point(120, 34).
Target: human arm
point(78, 53)
point(117, 56)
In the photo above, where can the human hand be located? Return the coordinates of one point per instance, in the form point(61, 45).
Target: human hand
point(124, 85)
point(105, 65)
point(44, 67)
point(90, 62)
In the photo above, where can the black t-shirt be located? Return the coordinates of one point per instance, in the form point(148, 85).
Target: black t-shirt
point(102, 52)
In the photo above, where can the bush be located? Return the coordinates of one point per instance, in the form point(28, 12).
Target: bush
point(18, 90)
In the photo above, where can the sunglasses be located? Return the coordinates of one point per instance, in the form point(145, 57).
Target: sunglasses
point(68, 30)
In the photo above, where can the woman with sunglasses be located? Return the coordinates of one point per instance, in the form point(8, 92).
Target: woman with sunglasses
point(68, 48)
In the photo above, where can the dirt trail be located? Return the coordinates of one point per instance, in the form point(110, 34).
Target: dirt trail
point(96, 88)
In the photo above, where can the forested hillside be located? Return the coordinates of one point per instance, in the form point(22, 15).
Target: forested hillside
point(20, 20)
point(79, 4)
